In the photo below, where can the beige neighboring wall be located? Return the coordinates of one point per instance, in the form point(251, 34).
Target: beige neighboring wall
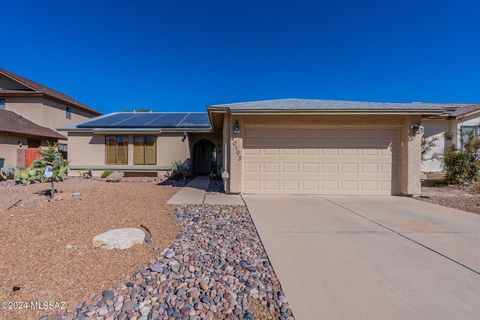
point(409, 144)
point(9, 147)
point(45, 112)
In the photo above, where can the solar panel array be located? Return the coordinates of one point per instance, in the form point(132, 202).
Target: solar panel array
point(150, 120)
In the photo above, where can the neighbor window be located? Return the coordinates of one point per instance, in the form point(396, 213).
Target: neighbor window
point(144, 150)
point(116, 149)
point(2, 103)
point(467, 130)
point(68, 112)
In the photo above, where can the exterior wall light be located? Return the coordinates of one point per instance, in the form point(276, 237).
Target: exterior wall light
point(20, 144)
point(236, 127)
point(417, 128)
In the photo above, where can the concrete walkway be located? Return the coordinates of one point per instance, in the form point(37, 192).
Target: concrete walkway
point(195, 193)
point(371, 257)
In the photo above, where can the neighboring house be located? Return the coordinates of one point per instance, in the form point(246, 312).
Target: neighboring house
point(465, 118)
point(21, 139)
point(42, 105)
point(286, 146)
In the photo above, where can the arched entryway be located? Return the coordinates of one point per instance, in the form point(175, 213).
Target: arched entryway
point(204, 157)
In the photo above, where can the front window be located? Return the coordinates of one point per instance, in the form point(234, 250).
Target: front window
point(68, 112)
point(144, 150)
point(116, 149)
point(2, 103)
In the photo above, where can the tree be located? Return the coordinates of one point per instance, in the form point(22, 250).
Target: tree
point(427, 146)
point(142, 109)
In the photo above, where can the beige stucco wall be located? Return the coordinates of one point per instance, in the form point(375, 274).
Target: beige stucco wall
point(9, 147)
point(172, 147)
point(45, 112)
point(87, 151)
point(408, 169)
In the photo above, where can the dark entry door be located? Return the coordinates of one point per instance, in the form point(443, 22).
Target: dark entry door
point(204, 157)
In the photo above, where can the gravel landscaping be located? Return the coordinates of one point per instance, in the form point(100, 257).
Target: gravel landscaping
point(215, 187)
point(216, 268)
point(46, 252)
point(465, 198)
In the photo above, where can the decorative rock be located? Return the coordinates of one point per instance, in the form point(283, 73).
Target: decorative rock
point(115, 177)
point(119, 238)
point(107, 295)
point(203, 285)
point(156, 267)
point(169, 254)
point(194, 294)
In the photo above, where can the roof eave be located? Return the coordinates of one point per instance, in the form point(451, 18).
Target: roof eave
point(136, 130)
point(339, 111)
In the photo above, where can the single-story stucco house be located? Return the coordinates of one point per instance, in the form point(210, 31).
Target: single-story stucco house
point(465, 118)
point(285, 146)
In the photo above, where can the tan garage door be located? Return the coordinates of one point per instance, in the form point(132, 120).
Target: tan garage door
point(320, 161)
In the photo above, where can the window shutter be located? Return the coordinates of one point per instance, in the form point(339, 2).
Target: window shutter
point(150, 150)
point(110, 149)
point(138, 150)
point(122, 150)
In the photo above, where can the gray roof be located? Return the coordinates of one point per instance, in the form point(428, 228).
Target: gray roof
point(146, 120)
point(35, 88)
point(465, 110)
point(329, 105)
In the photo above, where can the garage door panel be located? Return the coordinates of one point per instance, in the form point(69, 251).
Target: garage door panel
point(313, 161)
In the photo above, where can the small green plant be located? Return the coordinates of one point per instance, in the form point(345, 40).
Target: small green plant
point(178, 171)
point(51, 158)
point(463, 166)
point(86, 174)
point(106, 173)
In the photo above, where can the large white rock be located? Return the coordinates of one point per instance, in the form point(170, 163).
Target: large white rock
point(119, 238)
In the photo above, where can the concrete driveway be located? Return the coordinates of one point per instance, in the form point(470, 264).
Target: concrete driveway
point(354, 257)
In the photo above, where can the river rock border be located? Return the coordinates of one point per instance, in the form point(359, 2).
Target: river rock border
point(214, 269)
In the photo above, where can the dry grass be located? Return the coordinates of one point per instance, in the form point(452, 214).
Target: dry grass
point(46, 246)
point(465, 198)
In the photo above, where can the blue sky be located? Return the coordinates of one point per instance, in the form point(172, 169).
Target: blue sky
point(184, 55)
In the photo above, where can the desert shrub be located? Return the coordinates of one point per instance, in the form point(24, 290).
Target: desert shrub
point(106, 173)
point(463, 166)
point(36, 172)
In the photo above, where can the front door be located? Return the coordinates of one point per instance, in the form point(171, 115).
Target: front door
point(204, 157)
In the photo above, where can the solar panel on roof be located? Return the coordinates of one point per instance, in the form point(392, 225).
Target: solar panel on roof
point(106, 121)
point(150, 120)
point(169, 120)
point(138, 120)
point(196, 119)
